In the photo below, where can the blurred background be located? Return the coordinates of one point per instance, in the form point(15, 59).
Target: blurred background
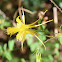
point(10, 49)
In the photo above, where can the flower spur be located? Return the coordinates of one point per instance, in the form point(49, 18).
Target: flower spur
point(21, 29)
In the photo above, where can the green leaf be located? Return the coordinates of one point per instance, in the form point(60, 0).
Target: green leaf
point(43, 38)
point(32, 58)
point(34, 46)
point(56, 52)
point(29, 42)
point(6, 0)
point(23, 60)
point(1, 50)
point(5, 47)
point(57, 45)
point(46, 59)
point(43, 27)
point(7, 24)
point(50, 58)
point(11, 45)
point(14, 59)
point(41, 50)
point(60, 4)
point(8, 55)
point(60, 39)
point(2, 27)
point(29, 39)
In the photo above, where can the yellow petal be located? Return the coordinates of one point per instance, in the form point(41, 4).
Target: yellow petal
point(12, 30)
point(30, 31)
point(19, 23)
point(23, 17)
point(21, 37)
point(18, 20)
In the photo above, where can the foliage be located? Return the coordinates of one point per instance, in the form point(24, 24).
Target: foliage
point(47, 55)
point(17, 60)
point(33, 5)
point(60, 39)
point(6, 52)
point(4, 22)
point(59, 2)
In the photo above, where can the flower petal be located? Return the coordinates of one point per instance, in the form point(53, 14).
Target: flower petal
point(18, 20)
point(21, 37)
point(23, 17)
point(19, 23)
point(12, 30)
point(30, 31)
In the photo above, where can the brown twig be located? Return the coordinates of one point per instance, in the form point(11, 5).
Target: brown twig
point(56, 5)
point(55, 20)
point(55, 29)
point(2, 13)
point(20, 14)
point(15, 14)
point(26, 10)
point(14, 17)
point(19, 6)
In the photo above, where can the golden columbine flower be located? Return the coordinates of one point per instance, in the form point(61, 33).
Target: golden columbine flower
point(21, 29)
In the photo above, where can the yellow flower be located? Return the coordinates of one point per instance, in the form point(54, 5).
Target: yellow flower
point(21, 29)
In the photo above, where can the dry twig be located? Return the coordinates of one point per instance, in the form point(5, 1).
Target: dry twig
point(56, 5)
